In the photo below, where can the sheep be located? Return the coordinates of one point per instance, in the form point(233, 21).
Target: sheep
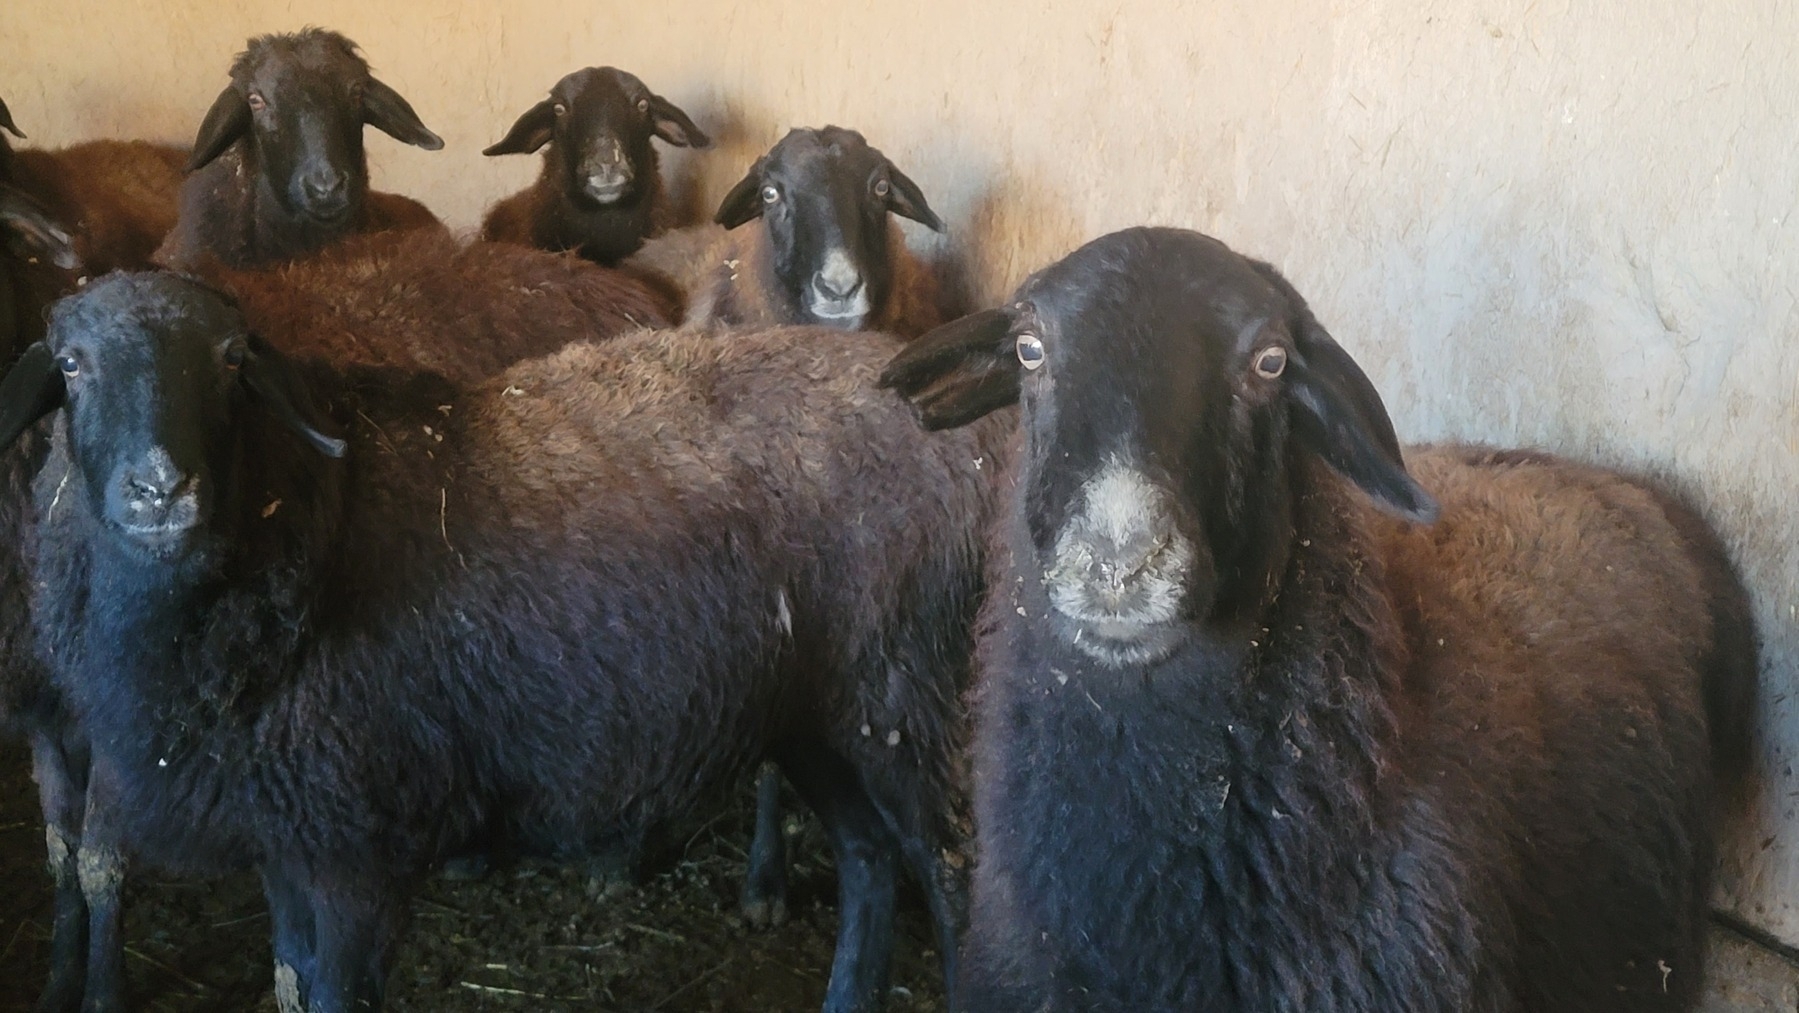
point(1245, 741)
point(825, 252)
point(278, 168)
point(413, 299)
point(87, 208)
point(600, 192)
point(572, 601)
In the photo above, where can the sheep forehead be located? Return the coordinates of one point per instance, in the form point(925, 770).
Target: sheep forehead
point(594, 79)
point(314, 49)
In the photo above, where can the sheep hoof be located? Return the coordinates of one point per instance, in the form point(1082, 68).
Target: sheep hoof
point(467, 868)
point(763, 914)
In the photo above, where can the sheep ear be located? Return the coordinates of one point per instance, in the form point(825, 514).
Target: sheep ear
point(905, 199)
point(1341, 418)
point(532, 131)
point(7, 123)
point(225, 122)
point(33, 231)
point(674, 126)
point(33, 388)
point(272, 378)
point(386, 111)
point(958, 372)
point(744, 202)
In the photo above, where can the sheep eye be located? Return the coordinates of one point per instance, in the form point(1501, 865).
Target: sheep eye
point(1030, 351)
point(770, 195)
point(643, 105)
point(883, 188)
point(70, 368)
point(559, 109)
point(234, 356)
point(256, 102)
point(1271, 362)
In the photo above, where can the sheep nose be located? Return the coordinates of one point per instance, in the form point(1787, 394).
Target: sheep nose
point(152, 486)
point(325, 186)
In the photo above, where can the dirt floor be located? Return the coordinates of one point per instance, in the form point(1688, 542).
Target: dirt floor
point(544, 938)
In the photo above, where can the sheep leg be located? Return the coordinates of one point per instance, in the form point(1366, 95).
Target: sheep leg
point(764, 899)
point(357, 924)
point(294, 940)
point(60, 769)
point(867, 877)
point(100, 869)
point(946, 892)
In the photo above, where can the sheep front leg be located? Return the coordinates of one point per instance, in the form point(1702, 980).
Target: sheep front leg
point(100, 869)
point(293, 939)
point(60, 769)
point(867, 877)
point(356, 925)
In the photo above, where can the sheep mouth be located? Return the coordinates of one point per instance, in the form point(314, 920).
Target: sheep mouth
point(847, 315)
point(1118, 641)
point(328, 214)
point(605, 194)
point(163, 541)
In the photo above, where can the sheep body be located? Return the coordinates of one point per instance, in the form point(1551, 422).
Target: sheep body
point(583, 596)
point(542, 216)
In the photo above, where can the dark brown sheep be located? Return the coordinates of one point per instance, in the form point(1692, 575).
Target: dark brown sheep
point(601, 192)
point(1249, 739)
point(405, 299)
point(278, 168)
point(822, 249)
point(584, 596)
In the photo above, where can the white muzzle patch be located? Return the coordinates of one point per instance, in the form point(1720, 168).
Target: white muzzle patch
point(1120, 568)
point(838, 290)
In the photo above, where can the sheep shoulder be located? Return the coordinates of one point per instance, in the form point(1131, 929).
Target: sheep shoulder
point(389, 212)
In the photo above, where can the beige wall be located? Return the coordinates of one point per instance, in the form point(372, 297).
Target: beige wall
point(1533, 221)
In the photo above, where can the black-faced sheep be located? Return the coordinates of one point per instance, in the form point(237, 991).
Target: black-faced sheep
point(600, 192)
point(825, 252)
point(584, 598)
point(278, 168)
point(1245, 743)
point(410, 299)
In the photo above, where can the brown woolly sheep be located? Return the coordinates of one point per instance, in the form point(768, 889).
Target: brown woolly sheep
point(1249, 739)
point(600, 193)
point(824, 252)
point(585, 598)
point(278, 168)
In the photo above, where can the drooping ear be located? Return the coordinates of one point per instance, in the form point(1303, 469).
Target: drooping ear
point(225, 122)
point(386, 111)
point(1340, 417)
point(674, 126)
point(7, 123)
point(905, 199)
point(958, 372)
point(532, 131)
point(31, 231)
point(744, 202)
point(277, 385)
point(33, 388)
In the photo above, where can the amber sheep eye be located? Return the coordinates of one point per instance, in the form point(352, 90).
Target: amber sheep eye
point(1030, 351)
point(1271, 362)
point(234, 356)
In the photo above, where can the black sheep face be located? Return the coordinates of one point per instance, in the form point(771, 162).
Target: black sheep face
point(155, 372)
point(601, 120)
point(824, 196)
point(1165, 383)
point(301, 101)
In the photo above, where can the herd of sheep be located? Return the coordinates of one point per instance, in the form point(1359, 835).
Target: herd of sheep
point(341, 549)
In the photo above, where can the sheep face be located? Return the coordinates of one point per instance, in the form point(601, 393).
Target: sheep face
point(823, 197)
point(601, 120)
point(1165, 383)
point(153, 372)
point(301, 101)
